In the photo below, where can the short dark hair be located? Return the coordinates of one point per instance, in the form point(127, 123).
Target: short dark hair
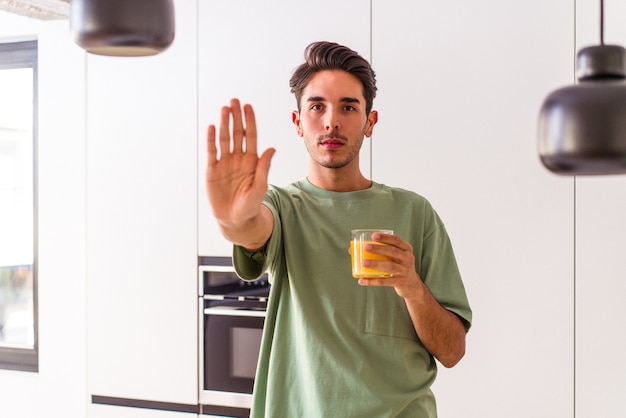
point(320, 56)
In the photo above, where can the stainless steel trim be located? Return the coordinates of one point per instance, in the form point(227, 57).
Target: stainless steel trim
point(204, 268)
point(221, 310)
point(226, 269)
point(200, 348)
point(232, 399)
point(238, 298)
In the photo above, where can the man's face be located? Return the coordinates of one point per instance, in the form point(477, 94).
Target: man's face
point(332, 118)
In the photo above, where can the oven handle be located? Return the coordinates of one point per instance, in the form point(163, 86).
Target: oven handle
point(218, 269)
point(234, 312)
point(237, 298)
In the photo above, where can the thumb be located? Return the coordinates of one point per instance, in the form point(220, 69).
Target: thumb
point(263, 166)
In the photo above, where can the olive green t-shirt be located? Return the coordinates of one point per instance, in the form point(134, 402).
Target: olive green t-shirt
point(332, 348)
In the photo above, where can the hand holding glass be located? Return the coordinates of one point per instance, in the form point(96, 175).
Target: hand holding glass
point(360, 238)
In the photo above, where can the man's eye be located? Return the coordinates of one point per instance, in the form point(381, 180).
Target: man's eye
point(316, 107)
point(349, 108)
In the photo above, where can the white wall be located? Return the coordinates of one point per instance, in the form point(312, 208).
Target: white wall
point(461, 84)
point(600, 243)
point(59, 387)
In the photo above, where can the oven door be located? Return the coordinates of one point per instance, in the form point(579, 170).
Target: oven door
point(232, 339)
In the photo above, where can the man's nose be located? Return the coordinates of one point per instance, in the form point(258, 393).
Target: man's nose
point(332, 121)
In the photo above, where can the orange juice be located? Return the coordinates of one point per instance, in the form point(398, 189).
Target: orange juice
point(358, 254)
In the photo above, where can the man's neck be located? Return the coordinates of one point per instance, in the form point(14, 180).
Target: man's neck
point(337, 180)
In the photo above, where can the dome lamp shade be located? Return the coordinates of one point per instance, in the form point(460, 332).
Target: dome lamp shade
point(122, 27)
point(582, 128)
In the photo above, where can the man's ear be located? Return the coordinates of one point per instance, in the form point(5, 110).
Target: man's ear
point(372, 118)
point(295, 118)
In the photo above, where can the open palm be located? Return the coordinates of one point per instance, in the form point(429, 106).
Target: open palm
point(236, 177)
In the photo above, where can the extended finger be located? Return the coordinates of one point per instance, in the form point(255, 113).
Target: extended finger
point(250, 129)
point(225, 131)
point(238, 130)
point(263, 168)
point(210, 145)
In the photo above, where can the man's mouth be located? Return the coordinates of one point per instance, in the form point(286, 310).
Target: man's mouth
point(332, 143)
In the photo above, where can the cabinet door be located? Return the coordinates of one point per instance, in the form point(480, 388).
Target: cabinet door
point(141, 220)
point(248, 49)
point(460, 87)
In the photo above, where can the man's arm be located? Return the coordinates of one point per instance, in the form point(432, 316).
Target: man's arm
point(441, 331)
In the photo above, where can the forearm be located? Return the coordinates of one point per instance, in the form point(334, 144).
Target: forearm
point(441, 331)
point(251, 233)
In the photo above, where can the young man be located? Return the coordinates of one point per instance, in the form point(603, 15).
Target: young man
point(334, 346)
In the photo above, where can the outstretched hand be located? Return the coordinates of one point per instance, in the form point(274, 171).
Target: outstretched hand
point(236, 177)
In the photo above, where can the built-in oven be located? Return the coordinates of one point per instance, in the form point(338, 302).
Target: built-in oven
point(232, 314)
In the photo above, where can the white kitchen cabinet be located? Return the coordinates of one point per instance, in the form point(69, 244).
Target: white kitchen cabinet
point(248, 49)
point(460, 88)
point(141, 221)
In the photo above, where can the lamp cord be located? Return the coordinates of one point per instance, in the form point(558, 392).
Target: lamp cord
point(601, 22)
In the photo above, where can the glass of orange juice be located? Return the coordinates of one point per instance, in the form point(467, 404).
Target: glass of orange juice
point(360, 237)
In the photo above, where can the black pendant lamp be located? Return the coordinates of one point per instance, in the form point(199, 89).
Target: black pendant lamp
point(582, 128)
point(122, 27)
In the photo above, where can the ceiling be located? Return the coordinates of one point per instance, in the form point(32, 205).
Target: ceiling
point(37, 9)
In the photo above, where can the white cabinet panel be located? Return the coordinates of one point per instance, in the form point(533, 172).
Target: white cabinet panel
point(60, 385)
point(248, 49)
point(142, 233)
point(460, 88)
